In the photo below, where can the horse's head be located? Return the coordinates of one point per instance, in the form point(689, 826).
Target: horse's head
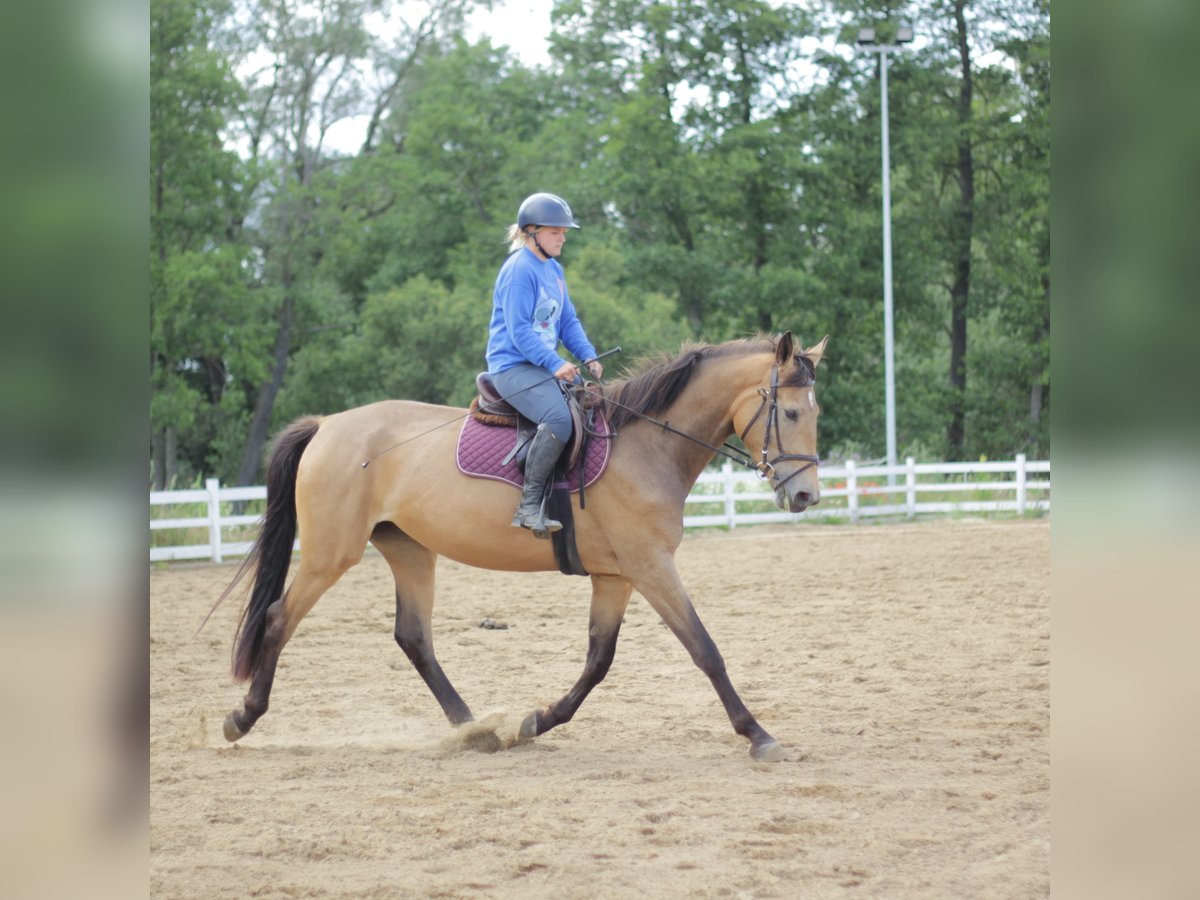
point(779, 424)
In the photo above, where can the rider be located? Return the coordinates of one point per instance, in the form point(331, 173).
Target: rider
point(531, 313)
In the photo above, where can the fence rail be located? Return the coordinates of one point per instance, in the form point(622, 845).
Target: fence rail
point(212, 523)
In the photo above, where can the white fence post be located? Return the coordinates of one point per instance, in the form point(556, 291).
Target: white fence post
point(1021, 492)
point(730, 499)
point(852, 491)
point(910, 484)
point(213, 486)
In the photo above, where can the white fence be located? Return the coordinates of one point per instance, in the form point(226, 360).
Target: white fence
point(726, 498)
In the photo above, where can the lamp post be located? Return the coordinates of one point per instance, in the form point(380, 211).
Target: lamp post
point(866, 41)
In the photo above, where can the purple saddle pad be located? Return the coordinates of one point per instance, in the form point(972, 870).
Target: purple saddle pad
point(481, 448)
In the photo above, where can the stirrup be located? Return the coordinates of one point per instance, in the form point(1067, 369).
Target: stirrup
point(539, 523)
point(549, 526)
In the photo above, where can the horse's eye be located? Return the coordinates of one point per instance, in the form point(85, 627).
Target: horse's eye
point(791, 415)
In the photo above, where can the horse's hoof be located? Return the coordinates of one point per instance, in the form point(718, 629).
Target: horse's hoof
point(770, 751)
point(232, 732)
point(529, 727)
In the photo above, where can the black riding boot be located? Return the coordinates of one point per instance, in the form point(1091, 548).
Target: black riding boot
point(543, 454)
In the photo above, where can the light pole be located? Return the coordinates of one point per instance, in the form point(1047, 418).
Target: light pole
point(866, 41)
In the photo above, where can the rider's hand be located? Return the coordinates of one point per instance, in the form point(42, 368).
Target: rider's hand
point(596, 369)
point(566, 372)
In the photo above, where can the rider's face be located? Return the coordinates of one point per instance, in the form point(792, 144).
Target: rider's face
point(552, 239)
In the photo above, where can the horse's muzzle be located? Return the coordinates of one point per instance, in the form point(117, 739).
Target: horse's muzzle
point(796, 502)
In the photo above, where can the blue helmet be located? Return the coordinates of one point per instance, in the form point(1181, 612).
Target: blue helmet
point(547, 210)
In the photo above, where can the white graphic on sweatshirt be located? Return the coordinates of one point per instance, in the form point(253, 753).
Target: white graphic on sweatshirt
point(545, 319)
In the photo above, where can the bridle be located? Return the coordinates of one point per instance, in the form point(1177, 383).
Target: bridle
point(765, 467)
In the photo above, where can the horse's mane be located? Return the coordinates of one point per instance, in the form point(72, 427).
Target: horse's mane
point(657, 382)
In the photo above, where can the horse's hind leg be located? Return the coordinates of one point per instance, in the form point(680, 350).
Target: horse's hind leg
point(413, 568)
point(281, 620)
point(610, 597)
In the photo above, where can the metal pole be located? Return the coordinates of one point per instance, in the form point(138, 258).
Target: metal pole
point(889, 350)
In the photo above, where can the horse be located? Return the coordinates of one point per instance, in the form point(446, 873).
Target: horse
point(385, 474)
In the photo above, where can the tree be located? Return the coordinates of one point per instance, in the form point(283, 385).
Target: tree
point(726, 177)
point(962, 232)
point(320, 59)
point(674, 94)
point(197, 207)
point(1019, 249)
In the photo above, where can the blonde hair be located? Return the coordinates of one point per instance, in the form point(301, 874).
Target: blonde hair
point(516, 237)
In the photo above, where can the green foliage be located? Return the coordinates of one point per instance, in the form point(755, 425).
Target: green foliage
point(411, 344)
point(724, 165)
point(426, 341)
point(641, 323)
point(202, 321)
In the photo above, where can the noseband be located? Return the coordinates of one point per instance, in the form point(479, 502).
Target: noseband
point(766, 468)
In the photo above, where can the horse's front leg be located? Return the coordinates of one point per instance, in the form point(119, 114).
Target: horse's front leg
point(610, 597)
point(659, 583)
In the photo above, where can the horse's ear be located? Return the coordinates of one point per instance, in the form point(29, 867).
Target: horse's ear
point(783, 348)
point(814, 353)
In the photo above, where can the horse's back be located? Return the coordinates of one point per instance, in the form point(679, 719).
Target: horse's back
point(392, 413)
point(385, 426)
point(356, 454)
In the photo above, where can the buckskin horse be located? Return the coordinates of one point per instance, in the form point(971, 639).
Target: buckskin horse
point(413, 504)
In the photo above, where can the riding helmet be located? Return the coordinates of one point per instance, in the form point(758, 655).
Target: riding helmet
point(547, 210)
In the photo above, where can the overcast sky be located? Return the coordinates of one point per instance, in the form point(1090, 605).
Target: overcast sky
point(522, 25)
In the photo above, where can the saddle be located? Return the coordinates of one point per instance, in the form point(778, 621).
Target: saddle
point(489, 408)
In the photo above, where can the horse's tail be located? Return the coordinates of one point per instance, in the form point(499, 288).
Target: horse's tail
point(271, 554)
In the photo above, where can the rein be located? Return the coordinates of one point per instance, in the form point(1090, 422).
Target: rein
point(765, 468)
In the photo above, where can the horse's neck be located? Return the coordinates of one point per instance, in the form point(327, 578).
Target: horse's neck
point(708, 402)
point(704, 411)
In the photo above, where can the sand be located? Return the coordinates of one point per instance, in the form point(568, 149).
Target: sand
point(904, 667)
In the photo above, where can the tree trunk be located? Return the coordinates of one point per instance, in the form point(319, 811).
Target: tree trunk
point(1037, 390)
point(165, 456)
point(214, 369)
point(158, 458)
point(963, 228)
point(1035, 405)
point(264, 405)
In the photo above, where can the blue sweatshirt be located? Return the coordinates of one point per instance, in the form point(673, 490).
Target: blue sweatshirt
point(531, 314)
